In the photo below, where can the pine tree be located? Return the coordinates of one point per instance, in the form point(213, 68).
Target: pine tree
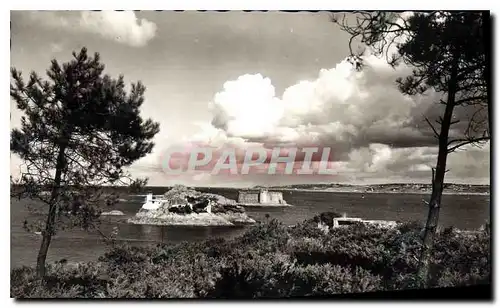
point(79, 131)
point(448, 53)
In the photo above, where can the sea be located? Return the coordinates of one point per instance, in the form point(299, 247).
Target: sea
point(461, 211)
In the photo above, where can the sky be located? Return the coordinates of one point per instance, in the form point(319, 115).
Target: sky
point(248, 80)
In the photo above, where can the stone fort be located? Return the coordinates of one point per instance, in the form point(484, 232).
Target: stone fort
point(260, 196)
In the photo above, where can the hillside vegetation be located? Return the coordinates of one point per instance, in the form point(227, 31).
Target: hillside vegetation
point(269, 261)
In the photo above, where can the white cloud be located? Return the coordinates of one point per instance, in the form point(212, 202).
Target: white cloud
point(374, 130)
point(470, 162)
point(247, 106)
point(123, 27)
point(342, 107)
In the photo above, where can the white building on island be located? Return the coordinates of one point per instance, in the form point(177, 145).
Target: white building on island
point(261, 197)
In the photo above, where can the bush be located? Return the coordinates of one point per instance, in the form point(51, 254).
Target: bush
point(461, 259)
point(270, 260)
point(181, 209)
point(326, 218)
point(61, 281)
point(266, 237)
point(411, 227)
point(308, 229)
point(272, 277)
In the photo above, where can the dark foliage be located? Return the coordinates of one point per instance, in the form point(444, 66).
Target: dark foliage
point(270, 261)
point(448, 54)
point(181, 209)
point(79, 130)
point(326, 218)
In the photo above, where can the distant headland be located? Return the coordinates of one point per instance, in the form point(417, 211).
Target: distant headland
point(403, 188)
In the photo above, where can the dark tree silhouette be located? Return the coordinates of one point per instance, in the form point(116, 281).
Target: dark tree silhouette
point(448, 53)
point(79, 130)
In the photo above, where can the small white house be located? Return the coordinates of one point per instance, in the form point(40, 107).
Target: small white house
point(151, 203)
point(208, 208)
point(344, 221)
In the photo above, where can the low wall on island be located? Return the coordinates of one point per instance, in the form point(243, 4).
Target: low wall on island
point(261, 197)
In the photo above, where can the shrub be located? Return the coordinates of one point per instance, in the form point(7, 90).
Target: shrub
point(270, 260)
point(268, 277)
point(327, 279)
point(410, 226)
point(84, 280)
point(461, 259)
point(306, 229)
point(266, 237)
point(181, 209)
point(326, 218)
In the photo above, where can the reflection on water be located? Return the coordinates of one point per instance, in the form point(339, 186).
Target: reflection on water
point(146, 229)
point(168, 234)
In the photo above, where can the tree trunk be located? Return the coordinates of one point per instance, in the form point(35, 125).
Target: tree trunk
point(51, 217)
point(433, 216)
point(438, 180)
point(42, 253)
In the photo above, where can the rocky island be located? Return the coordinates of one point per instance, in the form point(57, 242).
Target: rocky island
point(185, 206)
point(113, 213)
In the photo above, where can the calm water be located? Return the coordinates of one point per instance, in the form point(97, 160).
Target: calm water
point(465, 212)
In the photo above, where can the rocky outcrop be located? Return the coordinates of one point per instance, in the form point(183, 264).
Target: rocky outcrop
point(193, 219)
point(113, 213)
point(185, 206)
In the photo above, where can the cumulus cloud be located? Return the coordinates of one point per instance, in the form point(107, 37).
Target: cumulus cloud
point(382, 160)
point(470, 162)
point(342, 108)
point(122, 27)
point(374, 130)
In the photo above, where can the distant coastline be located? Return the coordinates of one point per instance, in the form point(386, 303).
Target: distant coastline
point(403, 188)
point(327, 190)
